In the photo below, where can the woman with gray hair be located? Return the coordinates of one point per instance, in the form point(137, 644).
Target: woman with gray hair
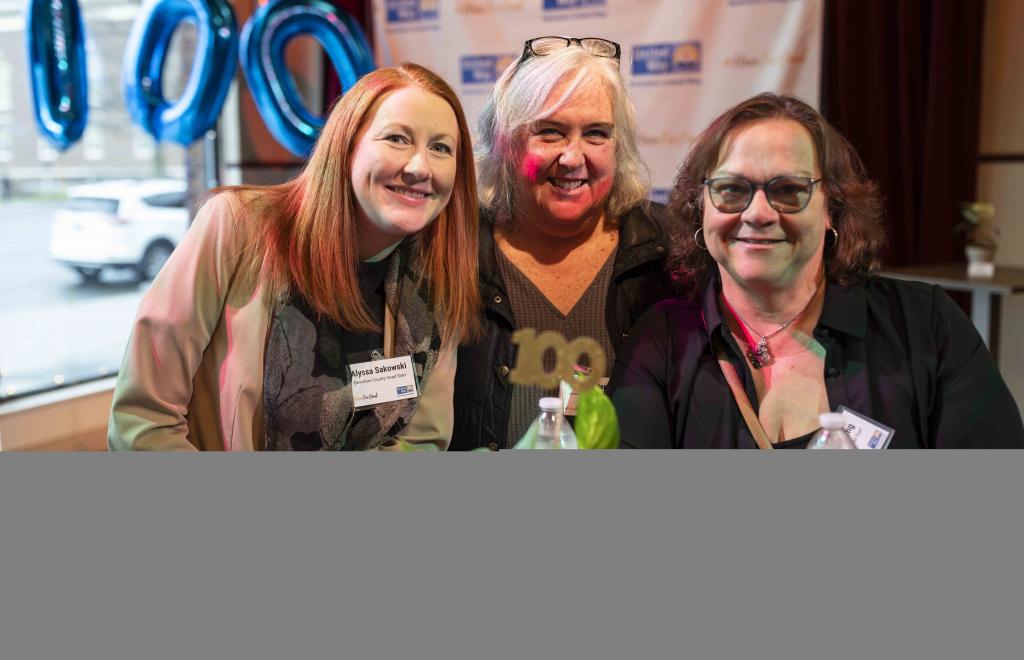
point(568, 240)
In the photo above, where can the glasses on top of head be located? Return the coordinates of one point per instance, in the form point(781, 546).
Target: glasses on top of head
point(786, 194)
point(596, 46)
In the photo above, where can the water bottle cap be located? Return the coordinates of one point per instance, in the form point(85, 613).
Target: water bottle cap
point(551, 404)
point(832, 421)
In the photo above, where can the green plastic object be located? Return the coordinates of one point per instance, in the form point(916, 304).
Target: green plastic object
point(597, 425)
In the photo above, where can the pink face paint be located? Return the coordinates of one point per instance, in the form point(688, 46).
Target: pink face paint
point(531, 167)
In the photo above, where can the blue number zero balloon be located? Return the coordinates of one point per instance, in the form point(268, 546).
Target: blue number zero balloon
point(56, 57)
point(264, 38)
point(186, 120)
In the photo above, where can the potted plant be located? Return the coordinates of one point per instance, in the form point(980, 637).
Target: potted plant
point(982, 234)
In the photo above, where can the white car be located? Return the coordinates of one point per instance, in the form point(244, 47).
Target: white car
point(119, 224)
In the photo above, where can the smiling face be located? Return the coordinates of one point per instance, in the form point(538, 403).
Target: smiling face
point(569, 162)
point(761, 248)
point(403, 166)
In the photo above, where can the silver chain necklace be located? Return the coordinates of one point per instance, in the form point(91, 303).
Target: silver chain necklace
point(759, 354)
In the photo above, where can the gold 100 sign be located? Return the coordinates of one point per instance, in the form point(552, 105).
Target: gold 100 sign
point(530, 363)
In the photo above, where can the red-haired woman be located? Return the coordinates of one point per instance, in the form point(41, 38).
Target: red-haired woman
point(323, 313)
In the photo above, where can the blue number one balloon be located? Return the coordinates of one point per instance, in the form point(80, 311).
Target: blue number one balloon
point(56, 56)
point(264, 38)
point(187, 119)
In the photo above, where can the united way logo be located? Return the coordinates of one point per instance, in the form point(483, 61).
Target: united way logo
point(659, 195)
point(409, 11)
point(573, 4)
point(483, 69)
point(656, 59)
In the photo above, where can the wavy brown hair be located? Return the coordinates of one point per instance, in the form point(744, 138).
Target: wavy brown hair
point(307, 237)
point(853, 199)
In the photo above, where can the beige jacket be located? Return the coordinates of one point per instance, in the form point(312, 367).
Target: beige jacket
point(192, 376)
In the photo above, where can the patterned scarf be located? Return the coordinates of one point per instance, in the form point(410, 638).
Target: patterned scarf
point(307, 386)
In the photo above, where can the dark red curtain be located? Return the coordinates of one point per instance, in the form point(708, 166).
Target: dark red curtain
point(902, 80)
point(359, 9)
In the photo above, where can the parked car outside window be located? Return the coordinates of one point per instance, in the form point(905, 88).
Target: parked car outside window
point(120, 224)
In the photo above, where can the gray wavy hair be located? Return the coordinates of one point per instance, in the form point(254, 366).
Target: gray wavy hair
point(517, 101)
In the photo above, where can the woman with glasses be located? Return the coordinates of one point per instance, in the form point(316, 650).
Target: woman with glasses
point(779, 231)
point(568, 241)
point(322, 313)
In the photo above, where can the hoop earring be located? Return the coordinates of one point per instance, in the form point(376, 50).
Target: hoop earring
point(835, 239)
point(697, 233)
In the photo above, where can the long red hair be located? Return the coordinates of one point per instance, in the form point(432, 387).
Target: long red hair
point(307, 238)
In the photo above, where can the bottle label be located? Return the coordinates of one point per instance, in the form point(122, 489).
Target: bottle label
point(865, 432)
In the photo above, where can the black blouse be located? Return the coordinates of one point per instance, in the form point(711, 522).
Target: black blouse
point(901, 353)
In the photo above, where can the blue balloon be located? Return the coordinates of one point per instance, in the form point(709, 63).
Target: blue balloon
point(264, 38)
point(56, 57)
point(187, 119)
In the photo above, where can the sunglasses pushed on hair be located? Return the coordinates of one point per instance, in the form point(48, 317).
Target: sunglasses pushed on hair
point(541, 46)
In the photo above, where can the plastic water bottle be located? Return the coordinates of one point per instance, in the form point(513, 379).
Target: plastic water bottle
point(832, 434)
point(552, 429)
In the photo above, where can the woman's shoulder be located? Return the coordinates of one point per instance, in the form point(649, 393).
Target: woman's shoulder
point(915, 298)
point(674, 319)
point(668, 336)
point(679, 307)
point(891, 286)
point(920, 311)
point(233, 215)
point(646, 217)
point(230, 204)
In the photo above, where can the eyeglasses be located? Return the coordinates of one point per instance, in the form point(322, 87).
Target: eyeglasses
point(786, 194)
point(596, 46)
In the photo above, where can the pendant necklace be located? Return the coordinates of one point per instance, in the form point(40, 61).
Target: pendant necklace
point(759, 354)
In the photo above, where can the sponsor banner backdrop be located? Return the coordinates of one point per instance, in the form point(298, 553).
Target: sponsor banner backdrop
point(684, 60)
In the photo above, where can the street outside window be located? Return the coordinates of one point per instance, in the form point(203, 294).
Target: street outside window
point(84, 231)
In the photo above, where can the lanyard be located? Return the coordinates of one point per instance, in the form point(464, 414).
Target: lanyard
point(738, 393)
point(389, 331)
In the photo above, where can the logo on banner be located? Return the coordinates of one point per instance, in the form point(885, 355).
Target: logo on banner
point(749, 61)
point(483, 69)
point(659, 195)
point(660, 59)
point(411, 11)
point(664, 137)
point(573, 4)
point(574, 9)
point(488, 6)
point(733, 3)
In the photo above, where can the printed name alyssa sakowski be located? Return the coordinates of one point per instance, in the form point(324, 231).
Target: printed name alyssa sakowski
point(362, 373)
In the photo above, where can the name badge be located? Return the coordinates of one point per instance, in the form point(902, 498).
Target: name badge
point(383, 381)
point(865, 432)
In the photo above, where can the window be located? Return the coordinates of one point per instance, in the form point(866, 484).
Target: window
point(75, 225)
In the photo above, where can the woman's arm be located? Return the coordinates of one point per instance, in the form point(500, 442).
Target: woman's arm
point(972, 407)
point(176, 319)
point(433, 422)
point(638, 385)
